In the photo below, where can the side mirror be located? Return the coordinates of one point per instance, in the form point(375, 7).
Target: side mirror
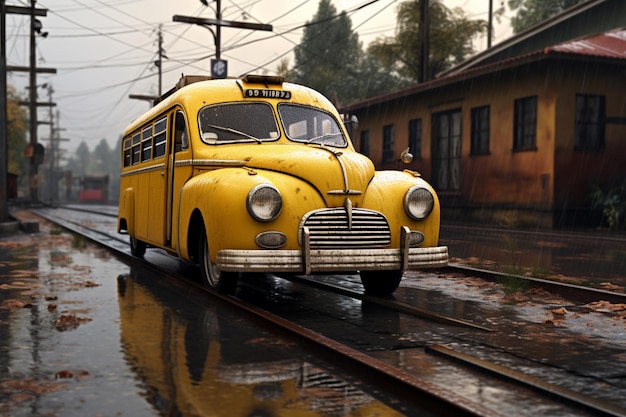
point(406, 156)
point(351, 122)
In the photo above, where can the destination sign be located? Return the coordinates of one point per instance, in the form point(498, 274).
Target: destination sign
point(267, 93)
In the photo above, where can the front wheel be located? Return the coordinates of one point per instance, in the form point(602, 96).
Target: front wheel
point(137, 247)
point(212, 277)
point(380, 283)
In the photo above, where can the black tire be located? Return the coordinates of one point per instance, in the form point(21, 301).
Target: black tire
point(137, 247)
point(380, 283)
point(212, 277)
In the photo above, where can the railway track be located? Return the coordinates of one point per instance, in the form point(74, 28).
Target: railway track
point(435, 398)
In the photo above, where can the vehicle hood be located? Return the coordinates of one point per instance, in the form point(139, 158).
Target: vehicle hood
point(328, 169)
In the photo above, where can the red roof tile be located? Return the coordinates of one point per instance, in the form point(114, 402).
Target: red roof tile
point(610, 44)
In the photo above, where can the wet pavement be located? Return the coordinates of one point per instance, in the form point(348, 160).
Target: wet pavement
point(84, 333)
point(589, 257)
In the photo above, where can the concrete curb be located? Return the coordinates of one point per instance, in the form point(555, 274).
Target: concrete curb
point(9, 227)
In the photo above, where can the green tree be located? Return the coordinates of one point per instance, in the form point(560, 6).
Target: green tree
point(16, 133)
point(79, 164)
point(450, 39)
point(101, 159)
point(328, 57)
point(531, 12)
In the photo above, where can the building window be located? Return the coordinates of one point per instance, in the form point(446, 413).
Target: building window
point(415, 138)
point(525, 124)
point(480, 131)
point(590, 119)
point(365, 143)
point(389, 133)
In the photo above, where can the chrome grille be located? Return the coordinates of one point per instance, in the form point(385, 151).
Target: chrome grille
point(329, 229)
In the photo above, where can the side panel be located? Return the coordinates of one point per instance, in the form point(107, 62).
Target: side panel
point(157, 193)
point(142, 205)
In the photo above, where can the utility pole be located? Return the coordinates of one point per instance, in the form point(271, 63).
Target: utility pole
point(32, 170)
point(490, 27)
point(4, 146)
point(219, 66)
point(52, 175)
point(4, 68)
point(159, 61)
point(423, 42)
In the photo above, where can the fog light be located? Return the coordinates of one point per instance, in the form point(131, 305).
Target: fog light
point(272, 240)
point(415, 239)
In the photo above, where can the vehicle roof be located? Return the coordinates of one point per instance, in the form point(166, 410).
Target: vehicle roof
point(196, 92)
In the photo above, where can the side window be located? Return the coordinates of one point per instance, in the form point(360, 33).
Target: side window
point(146, 143)
point(126, 152)
point(160, 137)
point(181, 138)
point(136, 148)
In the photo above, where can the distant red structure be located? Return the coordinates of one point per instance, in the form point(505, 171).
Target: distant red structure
point(94, 189)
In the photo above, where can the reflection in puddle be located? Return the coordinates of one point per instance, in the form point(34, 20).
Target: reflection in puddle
point(197, 357)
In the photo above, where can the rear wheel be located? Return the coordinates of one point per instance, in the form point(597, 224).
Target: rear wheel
point(212, 277)
point(380, 283)
point(137, 247)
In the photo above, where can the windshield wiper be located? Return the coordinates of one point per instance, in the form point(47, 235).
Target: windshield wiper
point(324, 136)
point(235, 131)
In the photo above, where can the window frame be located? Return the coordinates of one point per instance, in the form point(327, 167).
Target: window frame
point(415, 138)
point(365, 142)
point(389, 134)
point(480, 130)
point(589, 135)
point(525, 124)
point(159, 138)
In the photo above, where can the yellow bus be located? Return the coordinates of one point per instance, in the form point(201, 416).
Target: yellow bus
point(259, 175)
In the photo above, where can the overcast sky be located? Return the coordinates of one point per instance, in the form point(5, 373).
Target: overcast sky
point(104, 50)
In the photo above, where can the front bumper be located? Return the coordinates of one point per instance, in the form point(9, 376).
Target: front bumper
point(309, 260)
point(335, 260)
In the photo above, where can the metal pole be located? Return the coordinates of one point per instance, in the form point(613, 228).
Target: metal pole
point(218, 30)
point(52, 175)
point(32, 173)
point(424, 32)
point(490, 28)
point(160, 60)
point(4, 145)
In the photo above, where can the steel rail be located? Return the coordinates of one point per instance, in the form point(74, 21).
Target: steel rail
point(575, 293)
point(389, 304)
point(433, 398)
point(572, 397)
point(439, 399)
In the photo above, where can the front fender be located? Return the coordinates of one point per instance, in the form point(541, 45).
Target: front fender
point(386, 194)
point(220, 197)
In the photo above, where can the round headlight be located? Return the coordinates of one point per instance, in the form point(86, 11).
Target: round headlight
point(418, 202)
point(264, 202)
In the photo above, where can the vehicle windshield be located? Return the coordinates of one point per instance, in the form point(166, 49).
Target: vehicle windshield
point(310, 125)
point(237, 122)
